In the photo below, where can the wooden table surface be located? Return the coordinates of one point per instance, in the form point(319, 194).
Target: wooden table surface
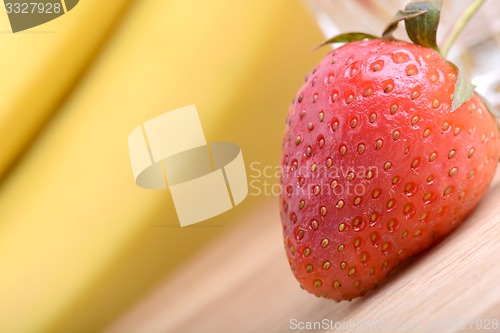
point(242, 283)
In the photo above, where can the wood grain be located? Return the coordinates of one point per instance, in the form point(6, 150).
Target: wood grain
point(242, 283)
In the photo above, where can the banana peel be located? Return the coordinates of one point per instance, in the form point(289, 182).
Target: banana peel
point(79, 241)
point(39, 66)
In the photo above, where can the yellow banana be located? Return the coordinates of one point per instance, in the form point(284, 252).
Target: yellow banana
point(78, 239)
point(40, 65)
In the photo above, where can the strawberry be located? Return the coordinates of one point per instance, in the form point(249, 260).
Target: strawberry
point(379, 162)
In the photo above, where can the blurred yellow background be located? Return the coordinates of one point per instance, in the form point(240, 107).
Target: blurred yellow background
point(80, 243)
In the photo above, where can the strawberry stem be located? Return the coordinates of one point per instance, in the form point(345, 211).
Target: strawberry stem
point(460, 25)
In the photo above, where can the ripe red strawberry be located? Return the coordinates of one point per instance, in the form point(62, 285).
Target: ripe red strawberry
point(377, 165)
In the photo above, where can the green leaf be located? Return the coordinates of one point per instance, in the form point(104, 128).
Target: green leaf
point(400, 16)
point(422, 29)
point(346, 38)
point(463, 89)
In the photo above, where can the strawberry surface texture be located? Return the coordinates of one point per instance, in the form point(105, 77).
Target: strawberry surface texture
point(376, 164)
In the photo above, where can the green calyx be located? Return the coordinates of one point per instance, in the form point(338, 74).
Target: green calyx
point(421, 20)
point(464, 89)
point(346, 38)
